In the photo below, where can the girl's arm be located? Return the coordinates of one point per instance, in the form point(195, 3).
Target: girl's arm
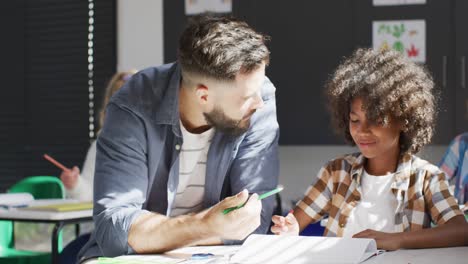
point(83, 189)
point(454, 233)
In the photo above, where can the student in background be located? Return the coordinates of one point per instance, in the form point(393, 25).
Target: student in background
point(384, 104)
point(455, 166)
point(79, 185)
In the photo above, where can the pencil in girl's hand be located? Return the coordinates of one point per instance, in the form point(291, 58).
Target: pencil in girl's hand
point(56, 163)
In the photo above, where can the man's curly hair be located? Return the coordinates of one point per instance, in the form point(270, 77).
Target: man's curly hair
point(392, 88)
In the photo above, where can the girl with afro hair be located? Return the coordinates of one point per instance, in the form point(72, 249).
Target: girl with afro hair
point(384, 104)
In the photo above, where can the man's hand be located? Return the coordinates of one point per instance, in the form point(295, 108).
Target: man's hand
point(285, 225)
point(387, 241)
point(237, 224)
point(208, 227)
point(70, 177)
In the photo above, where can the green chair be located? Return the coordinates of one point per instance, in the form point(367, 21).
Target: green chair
point(41, 187)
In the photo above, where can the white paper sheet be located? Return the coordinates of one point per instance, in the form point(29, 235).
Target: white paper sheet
point(301, 249)
point(15, 199)
point(405, 36)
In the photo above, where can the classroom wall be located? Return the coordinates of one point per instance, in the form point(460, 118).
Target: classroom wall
point(139, 34)
point(140, 44)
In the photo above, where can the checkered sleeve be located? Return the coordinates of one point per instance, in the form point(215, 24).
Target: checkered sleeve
point(450, 161)
point(317, 199)
point(441, 203)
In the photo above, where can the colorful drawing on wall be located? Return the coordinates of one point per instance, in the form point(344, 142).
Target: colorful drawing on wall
point(405, 36)
point(397, 2)
point(193, 7)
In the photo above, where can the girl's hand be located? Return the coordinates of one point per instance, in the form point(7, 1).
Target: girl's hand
point(387, 241)
point(70, 177)
point(285, 225)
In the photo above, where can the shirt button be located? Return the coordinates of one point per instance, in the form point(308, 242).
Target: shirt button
point(177, 147)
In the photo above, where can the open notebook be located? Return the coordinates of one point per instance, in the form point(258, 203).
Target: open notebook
point(64, 206)
point(12, 200)
point(302, 249)
point(265, 249)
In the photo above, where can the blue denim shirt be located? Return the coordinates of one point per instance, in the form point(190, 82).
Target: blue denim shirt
point(137, 162)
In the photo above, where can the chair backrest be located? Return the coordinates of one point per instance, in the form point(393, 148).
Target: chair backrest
point(41, 187)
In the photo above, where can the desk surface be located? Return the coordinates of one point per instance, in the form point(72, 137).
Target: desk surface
point(59, 219)
point(424, 256)
point(19, 214)
point(452, 255)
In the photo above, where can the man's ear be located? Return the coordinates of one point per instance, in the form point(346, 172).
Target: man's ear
point(201, 91)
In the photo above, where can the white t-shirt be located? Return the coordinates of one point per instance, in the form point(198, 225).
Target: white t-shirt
point(192, 171)
point(376, 210)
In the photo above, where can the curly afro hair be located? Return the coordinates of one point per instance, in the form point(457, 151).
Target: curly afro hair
point(390, 86)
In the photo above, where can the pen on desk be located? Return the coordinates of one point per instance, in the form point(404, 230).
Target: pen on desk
point(56, 163)
point(260, 197)
point(199, 256)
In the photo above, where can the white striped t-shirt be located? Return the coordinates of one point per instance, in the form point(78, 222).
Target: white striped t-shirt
point(192, 170)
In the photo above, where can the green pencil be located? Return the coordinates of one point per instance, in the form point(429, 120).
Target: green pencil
point(260, 197)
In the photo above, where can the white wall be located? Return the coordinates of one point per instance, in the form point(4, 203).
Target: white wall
point(140, 44)
point(139, 34)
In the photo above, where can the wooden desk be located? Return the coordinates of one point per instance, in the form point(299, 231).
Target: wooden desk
point(59, 219)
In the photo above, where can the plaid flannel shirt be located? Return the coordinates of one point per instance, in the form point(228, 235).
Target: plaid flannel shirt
point(420, 188)
point(455, 165)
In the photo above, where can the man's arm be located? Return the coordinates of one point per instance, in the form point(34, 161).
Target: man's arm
point(256, 165)
point(155, 233)
point(121, 181)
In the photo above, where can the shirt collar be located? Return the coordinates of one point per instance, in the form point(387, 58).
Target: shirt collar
point(402, 173)
point(168, 113)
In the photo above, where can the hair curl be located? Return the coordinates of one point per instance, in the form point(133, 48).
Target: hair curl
point(220, 47)
point(389, 85)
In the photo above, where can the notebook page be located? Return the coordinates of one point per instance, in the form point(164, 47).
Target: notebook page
point(301, 249)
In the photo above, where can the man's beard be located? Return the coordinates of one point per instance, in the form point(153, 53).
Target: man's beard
point(221, 122)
